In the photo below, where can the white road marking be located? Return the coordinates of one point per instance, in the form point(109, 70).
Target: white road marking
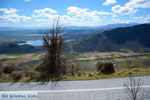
point(75, 90)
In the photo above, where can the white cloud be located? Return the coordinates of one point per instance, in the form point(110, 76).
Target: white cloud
point(114, 15)
point(121, 21)
point(142, 19)
point(14, 18)
point(131, 6)
point(45, 16)
point(74, 16)
point(27, 0)
point(84, 12)
point(11, 15)
point(8, 11)
point(123, 10)
point(76, 11)
point(100, 12)
point(137, 19)
point(83, 16)
point(41, 20)
point(44, 12)
point(138, 4)
point(108, 2)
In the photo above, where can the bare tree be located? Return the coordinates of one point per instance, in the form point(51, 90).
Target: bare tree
point(53, 43)
point(134, 89)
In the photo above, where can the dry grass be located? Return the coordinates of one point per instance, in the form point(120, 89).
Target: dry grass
point(135, 67)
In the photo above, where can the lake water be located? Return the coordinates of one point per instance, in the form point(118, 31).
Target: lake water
point(39, 42)
point(35, 34)
point(33, 42)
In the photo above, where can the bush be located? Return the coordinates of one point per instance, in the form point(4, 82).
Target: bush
point(9, 68)
point(90, 74)
point(36, 76)
point(5, 77)
point(74, 67)
point(105, 67)
point(1, 68)
point(79, 74)
point(29, 71)
point(30, 74)
point(16, 75)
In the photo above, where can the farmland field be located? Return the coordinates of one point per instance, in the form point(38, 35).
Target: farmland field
point(89, 59)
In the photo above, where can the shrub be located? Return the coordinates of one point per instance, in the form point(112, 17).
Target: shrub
point(90, 74)
point(1, 68)
point(30, 74)
point(16, 75)
point(135, 70)
point(130, 73)
point(105, 67)
point(73, 74)
point(9, 68)
point(64, 65)
point(79, 74)
point(29, 71)
point(5, 77)
point(74, 67)
point(36, 76)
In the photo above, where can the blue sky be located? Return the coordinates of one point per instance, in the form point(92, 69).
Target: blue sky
point(40, 13)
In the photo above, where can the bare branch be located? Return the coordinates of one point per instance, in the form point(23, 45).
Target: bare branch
point(53, 43)
point(134, 89)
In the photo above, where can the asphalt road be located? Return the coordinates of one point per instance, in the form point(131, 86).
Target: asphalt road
point(104, 89)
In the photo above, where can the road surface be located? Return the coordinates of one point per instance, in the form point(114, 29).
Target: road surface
point(104, 89)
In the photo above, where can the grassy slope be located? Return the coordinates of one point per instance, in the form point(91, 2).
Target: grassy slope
point(93, 75)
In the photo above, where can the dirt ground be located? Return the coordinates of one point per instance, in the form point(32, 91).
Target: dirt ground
point(103, 55)
point(22, 58)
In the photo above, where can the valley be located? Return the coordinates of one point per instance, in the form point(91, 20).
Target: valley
point(83, 48)
point(75, 49)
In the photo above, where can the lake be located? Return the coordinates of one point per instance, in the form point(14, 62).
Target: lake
point(35, 34)
point(39, 42)
point(38, 34)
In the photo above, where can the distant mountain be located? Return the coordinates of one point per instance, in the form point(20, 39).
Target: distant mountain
point(11, 28)
point(21, 28)
point(109, 26)
point(135, 38)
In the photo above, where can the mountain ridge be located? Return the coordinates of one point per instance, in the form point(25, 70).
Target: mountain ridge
point(70, 27)
point(135, 38)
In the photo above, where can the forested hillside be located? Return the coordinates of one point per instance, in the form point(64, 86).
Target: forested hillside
point(136, 38)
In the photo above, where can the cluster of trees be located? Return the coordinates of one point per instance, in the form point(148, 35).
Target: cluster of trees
point(6, 48)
